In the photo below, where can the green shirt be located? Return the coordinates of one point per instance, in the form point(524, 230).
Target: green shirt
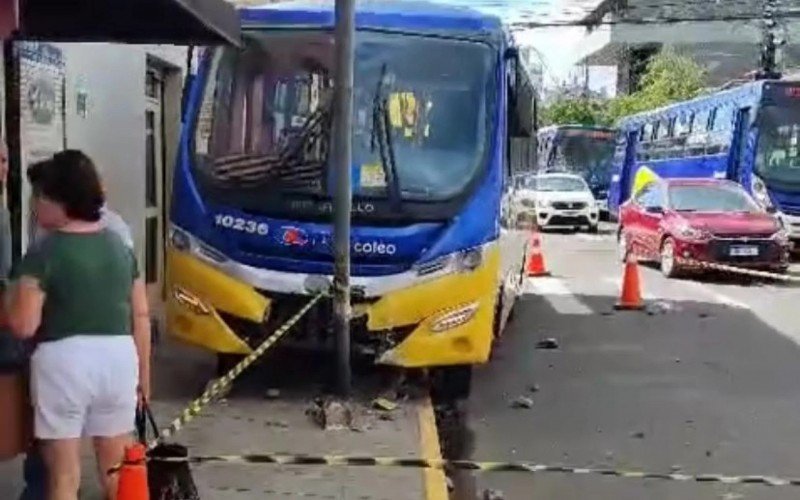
point(87, 280)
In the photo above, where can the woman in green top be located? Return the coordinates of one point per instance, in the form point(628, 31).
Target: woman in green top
point(78, 294)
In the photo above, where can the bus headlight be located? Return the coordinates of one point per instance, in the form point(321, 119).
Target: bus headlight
point(180, 240)
point(453, 319)
point(190, 301)
point(469, 260)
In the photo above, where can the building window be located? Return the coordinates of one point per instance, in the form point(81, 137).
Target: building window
point(151, 194)
point(151, 257)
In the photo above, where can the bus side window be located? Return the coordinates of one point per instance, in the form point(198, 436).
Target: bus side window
point(712, 117)
point(619, 150)
point(696, 141)
point(645, 142)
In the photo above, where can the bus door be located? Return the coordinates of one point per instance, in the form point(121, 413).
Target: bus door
point(737, 158)
point(628, 167)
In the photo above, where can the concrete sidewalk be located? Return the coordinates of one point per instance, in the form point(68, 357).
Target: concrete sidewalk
point(249, 422)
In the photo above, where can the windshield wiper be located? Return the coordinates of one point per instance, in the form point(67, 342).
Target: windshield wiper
point(381, 133)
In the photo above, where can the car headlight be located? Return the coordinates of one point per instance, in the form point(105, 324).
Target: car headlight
point(781, 236)
point(528, 203)
point(694, 234)
point(543, 204)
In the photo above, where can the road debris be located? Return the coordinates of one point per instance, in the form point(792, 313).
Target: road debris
point(272, 394)
point(493, 495)
point(534, 388)
point(638, 435)
point(660, 307)
point(280, 424)
point(384, 404)
point(548, 343)
point(522, 402)
point(331, 415)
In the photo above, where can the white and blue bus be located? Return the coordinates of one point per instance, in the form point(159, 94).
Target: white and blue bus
point(442, 109)
point(749, 134)
point(584, 150)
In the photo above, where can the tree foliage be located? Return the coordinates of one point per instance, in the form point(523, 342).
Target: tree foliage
point(570, 110)
point(669, 77)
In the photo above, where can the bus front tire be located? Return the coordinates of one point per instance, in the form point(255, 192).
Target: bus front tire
point(451, 383)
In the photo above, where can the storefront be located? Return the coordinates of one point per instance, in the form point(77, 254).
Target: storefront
point(105, 77)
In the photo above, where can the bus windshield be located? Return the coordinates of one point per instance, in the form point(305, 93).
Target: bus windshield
point(587, 153)
point(419, 130)
point(778, 155)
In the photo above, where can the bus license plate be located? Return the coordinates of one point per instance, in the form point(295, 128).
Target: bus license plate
point(744, 251)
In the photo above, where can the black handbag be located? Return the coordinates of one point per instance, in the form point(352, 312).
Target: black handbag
point(167, 480)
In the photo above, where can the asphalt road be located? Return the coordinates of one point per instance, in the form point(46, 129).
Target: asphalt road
point(707, 381)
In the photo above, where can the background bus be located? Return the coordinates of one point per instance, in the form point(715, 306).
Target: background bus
point(436, 260)
point(749, 134)
point(583, 150)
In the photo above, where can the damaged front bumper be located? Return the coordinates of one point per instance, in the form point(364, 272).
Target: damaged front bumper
point(446, 319)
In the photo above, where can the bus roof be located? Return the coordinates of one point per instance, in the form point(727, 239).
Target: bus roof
point(379, 14)
point(746, 92)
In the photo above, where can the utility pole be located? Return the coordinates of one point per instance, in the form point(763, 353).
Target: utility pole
point(342, 200)
point(769, 48)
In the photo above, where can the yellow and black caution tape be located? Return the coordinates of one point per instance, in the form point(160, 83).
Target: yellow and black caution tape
point(756, 273)
point(739, 270)
point(470, 465)
point(196, 406)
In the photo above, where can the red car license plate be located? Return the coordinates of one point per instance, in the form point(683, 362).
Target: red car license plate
point(744, 251)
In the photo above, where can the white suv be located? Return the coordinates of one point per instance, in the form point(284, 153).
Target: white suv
point(558, 200)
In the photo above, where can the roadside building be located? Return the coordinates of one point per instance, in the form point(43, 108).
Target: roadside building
point(725, 37)
point(121, 104)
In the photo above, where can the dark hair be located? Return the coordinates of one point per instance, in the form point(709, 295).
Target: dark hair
point(71, 180)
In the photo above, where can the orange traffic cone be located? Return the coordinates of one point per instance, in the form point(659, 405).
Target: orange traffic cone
point(133, 475)
point(631, 295)
point(535, 266)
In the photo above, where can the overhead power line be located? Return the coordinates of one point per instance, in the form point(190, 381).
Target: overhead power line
point(647, 21)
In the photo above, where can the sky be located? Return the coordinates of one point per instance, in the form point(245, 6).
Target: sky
point(556, 46)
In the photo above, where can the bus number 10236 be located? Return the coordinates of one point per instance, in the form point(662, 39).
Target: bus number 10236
point(239, 224)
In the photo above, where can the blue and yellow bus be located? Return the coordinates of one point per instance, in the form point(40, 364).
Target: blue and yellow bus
point(748, 134)
point(584, 150)
point(436, 258)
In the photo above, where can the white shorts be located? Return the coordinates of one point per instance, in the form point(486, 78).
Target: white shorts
point(84, 386)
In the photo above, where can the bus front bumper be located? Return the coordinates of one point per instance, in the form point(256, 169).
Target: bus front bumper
point(447, 320)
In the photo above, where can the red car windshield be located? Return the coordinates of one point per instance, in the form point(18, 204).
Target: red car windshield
point(699, 198)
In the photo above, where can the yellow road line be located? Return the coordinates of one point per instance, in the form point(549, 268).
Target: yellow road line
point(434, 479)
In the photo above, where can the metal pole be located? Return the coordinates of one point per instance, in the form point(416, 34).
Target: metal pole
point(342, 201)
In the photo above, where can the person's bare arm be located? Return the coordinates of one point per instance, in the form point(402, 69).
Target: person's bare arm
point(141, 334)
point(25, 307)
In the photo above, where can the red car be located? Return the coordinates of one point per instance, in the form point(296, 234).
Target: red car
point(708, 220)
